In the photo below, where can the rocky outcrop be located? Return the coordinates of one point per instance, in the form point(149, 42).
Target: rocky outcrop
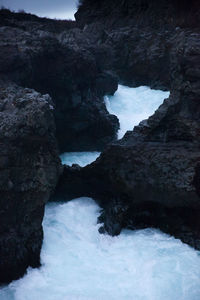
point(29, 170)
point(143, 13)
point(151, 176)
point(29, 22)
point(141, 34)
point(61, 61)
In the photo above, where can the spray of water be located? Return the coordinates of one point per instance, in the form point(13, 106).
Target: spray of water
point(80, 158)
point(132, 105)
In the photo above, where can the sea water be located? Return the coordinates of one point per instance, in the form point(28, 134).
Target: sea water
point(78, 263)
point(132, 105)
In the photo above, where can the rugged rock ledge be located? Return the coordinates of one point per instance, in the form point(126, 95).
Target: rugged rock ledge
point(29, 170)
point(151, 176)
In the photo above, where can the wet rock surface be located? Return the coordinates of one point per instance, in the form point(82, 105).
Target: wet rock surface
point(29, 170)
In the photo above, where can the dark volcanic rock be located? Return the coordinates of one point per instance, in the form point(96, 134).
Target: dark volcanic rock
point(60, 60)
point(141, 12)
point(141, 34)
point(29, 170)
point(29, 22)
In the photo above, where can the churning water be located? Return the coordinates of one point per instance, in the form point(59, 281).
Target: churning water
point(78, 263)
point(132, 105)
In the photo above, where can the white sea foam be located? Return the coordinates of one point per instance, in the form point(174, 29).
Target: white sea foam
point(80, 264)
point(132, 105)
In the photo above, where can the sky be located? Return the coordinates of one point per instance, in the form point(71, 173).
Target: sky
point(60, 9)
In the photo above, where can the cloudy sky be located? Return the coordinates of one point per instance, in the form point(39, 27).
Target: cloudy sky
point(61, 9)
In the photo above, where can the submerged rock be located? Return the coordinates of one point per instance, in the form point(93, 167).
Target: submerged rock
point(29, 170)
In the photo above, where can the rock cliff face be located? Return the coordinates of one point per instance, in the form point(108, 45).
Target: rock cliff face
point(56, 58)
point(141, 34)
point(144, 13)
point(151, 176)
point(29, 170)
